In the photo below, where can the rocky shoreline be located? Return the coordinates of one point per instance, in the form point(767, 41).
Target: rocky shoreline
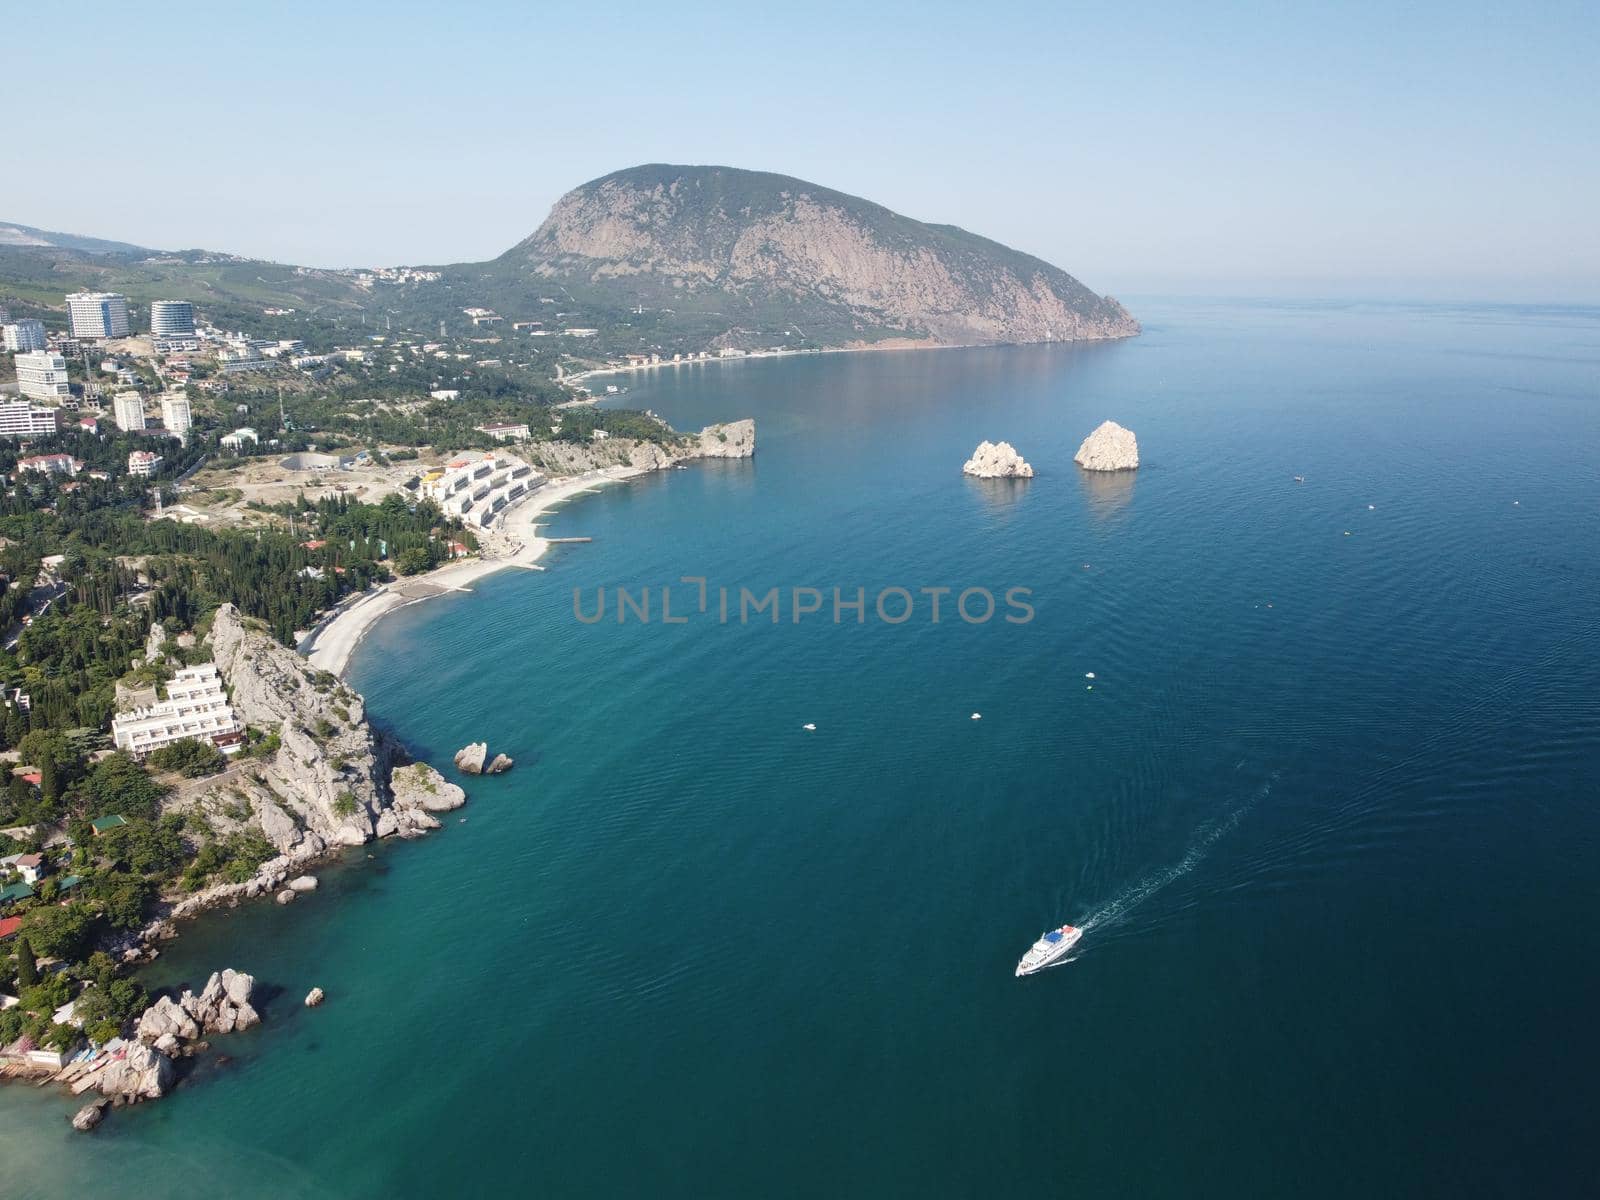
point(331, 783)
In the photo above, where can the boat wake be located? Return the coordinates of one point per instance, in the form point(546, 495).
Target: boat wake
point(1207, 836)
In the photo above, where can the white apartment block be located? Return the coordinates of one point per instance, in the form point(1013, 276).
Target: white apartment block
point(42, 375)
point(176, 417)
point(172, 318)
point(23, 336)
point(98, 315)
point(128, 409)
point(19, 419)
point(143, 463)
point(196, 707)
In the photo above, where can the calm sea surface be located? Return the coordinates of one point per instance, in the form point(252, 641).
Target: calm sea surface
point(1330, 809)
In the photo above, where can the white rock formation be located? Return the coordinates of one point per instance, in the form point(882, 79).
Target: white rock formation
point(90, 1115)
point(1109, 448)
point(997, 460)
point(469, 759)
point(501, 764)
point(315, 997)
point(134, 1072)
point(328, 778)
point(303, 883)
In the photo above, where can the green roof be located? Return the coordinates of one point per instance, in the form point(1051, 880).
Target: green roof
point(15, 892)
point(104, 823)
point(69, 882)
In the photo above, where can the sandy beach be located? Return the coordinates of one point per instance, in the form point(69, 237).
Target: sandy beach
point(515, 542)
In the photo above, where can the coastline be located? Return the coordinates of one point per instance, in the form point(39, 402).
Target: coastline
point(330, 645)
point(885, 346)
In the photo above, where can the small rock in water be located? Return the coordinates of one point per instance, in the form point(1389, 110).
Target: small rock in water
point(90, 1115)
point(314, 997)
point(303, 883)
point(285, 897)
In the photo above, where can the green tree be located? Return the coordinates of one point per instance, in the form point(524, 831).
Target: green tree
point(27, 965)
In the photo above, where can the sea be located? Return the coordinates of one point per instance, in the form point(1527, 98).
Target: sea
point(1300, 722)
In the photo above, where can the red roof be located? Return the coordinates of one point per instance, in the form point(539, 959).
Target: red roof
point(315, 544)
point(33, 777)
point(9, 926)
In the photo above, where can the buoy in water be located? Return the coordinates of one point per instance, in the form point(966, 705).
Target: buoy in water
point(977, 716)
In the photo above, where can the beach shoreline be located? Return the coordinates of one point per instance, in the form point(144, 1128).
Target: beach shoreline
point(332, 643)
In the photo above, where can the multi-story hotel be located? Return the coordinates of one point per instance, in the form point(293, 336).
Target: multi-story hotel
point(172, 318)
point(176, 418)
point(98, 315)
point(23, 336)
point(128, 408)
point(19, 419)
point(196, 707)
point(42, 375)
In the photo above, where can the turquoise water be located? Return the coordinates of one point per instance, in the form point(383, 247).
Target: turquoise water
point(1329, 810)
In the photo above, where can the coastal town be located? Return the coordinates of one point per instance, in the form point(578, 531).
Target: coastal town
point(199, 526)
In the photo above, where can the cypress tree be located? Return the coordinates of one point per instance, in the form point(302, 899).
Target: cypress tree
point(27, 968)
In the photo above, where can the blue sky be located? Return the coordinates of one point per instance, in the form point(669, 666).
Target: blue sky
point(1422, 150)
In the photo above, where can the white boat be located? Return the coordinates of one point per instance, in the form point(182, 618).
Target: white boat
point(1050, 949)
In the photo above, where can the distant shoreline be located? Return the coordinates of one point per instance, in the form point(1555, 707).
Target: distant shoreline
point(885, 346)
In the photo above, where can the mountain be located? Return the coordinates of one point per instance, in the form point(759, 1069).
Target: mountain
point(27, 235)
point(768, 250)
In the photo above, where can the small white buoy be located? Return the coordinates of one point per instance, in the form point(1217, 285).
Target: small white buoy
point(977, 716)
point(1088, 674)
point(1517, 502)
point(809, 727)
point(1370, 507)
point(1347, 533)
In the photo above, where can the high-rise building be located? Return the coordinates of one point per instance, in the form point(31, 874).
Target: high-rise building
point(18, 418)
point(171, 318)
point(175, 416)
point(128, 408)
point(23, 336)
point(98, 315)
point(42, 375)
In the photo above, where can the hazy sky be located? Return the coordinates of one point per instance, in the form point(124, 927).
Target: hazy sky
point(1392, 149)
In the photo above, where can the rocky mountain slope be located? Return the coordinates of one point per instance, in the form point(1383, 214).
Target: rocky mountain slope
point(760, 248)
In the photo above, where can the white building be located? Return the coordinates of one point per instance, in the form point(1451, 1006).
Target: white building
point(42, 375)
point(505, 432)
point(19, 419)
point(98, 315)
point(176, 417)
point(172, 318)
point(51, 464)
point(144, 463)
point(239, 438)
point(196, 707)
point(128, 408)
point(23, 336)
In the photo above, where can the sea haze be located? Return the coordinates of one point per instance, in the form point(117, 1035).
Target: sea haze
point(1327, 806)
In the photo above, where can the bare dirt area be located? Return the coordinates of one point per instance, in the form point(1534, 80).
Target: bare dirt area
point(221, 493)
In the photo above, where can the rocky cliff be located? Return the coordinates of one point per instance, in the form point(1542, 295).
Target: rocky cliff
point(735, 439)
point(333, 780)
point(763, 249)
